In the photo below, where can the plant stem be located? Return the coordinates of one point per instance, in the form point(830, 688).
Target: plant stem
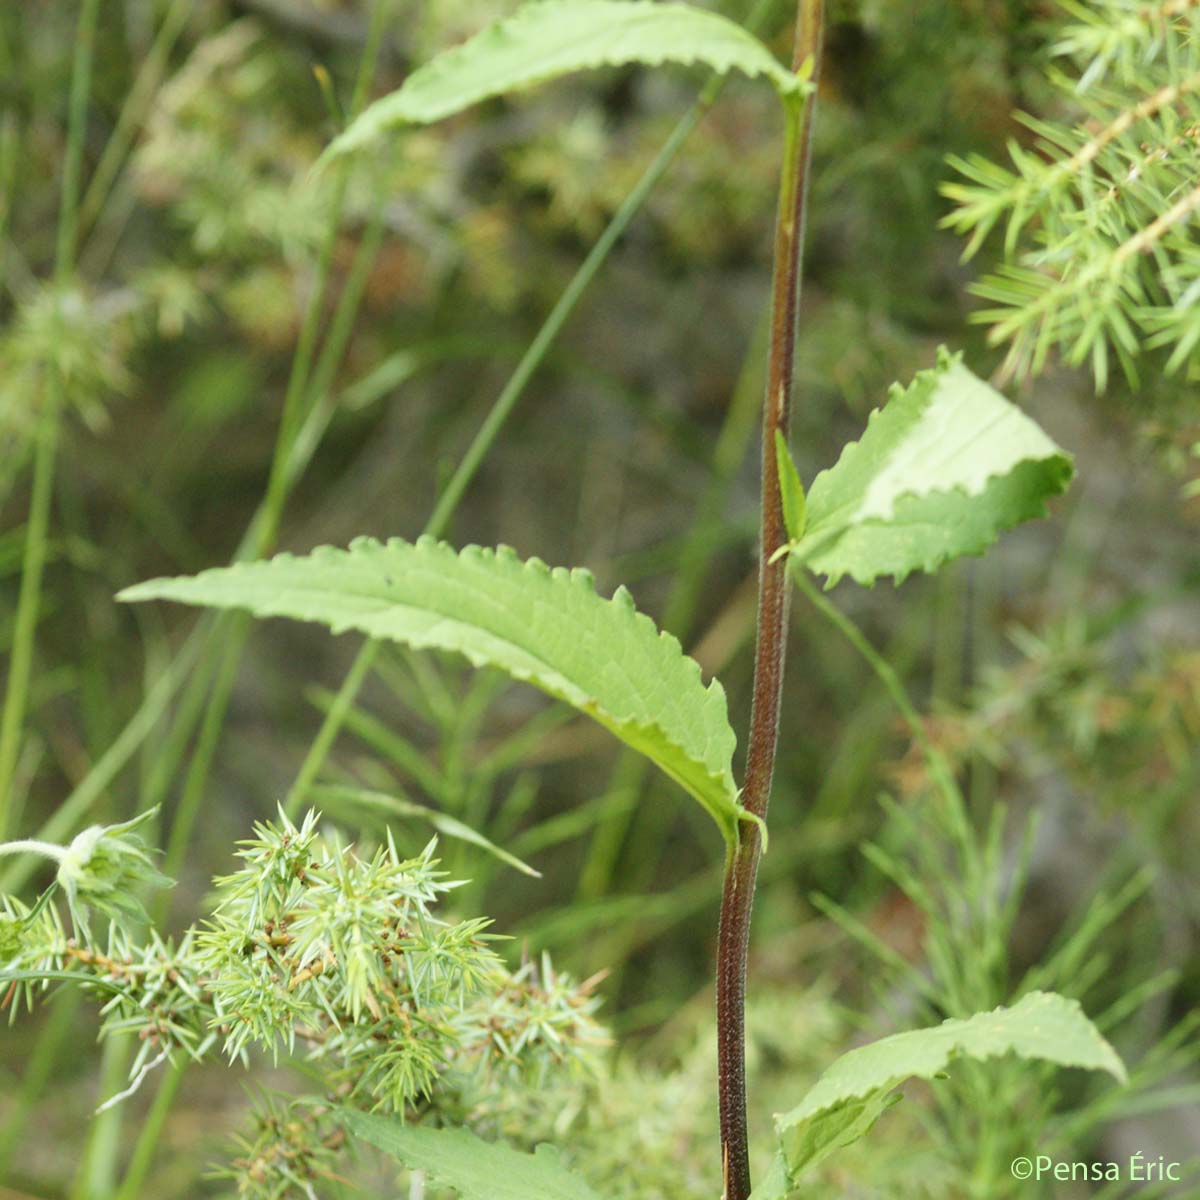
point(741, 868)
point(33, 846)
point(182, 668)
point(62, 822)
point(310, 378)
point(940, 771)
point(38, 1070)
point(886, 673)
point(16, 696)
point(150, 1135)
point(133, 111)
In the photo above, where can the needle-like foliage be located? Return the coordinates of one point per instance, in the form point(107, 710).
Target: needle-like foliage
point(1100, 253)
point(314, 948)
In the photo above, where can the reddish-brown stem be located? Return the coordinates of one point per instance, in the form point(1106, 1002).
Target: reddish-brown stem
point(771, 641)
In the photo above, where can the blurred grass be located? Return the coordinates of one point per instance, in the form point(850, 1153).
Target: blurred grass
point(260, 362)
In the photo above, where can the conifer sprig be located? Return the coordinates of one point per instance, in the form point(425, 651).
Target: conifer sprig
point(316, 949)
point(1100, 253)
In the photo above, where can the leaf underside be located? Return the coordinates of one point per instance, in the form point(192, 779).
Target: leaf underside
point(475, 1169)
point(550, 38)
point(851, 1095)
point(940, 472)
point(547, 627)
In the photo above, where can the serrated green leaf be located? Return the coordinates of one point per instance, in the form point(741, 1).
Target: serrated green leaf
point(941, 470)
point(851, 1095)
point(550, 38)
point(546, 627)
point(791, 490)
point(475, 1169)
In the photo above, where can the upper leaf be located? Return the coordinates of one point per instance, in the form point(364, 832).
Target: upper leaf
point(549, 38)
point(475, 1169)
point(941, 470)
point(849, 1097)
point(547, 627)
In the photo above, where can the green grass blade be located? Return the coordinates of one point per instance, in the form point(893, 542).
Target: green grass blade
point(334, 797)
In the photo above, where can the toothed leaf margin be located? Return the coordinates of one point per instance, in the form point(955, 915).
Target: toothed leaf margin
point(545, 626)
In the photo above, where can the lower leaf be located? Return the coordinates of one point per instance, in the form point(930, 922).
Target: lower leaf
point(853, 1093)
point(475, 1169)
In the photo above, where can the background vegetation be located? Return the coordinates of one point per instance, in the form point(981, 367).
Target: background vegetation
point(247, 348)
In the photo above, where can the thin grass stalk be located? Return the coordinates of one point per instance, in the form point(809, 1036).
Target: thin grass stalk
point(150, 1134)
point(213, 719)
point(16, 696)
point(95, 1177)
point(66, 818)
point(939, 768)
point(262, 535)
point(265, 527)
point(235, 628)
point(39, 1067)
point(8, 177)
point(134, 109)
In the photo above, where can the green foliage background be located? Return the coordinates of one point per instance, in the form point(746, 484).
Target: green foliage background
point(1061, 675)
